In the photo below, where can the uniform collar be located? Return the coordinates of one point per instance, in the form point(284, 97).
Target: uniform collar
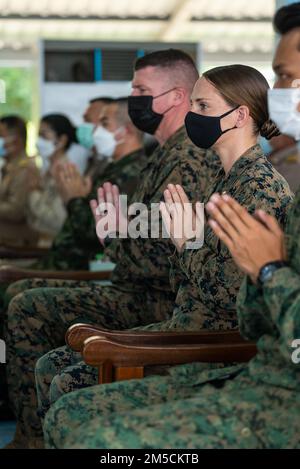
point(130, 156)
point(251, 155)
point(173, 140)
point(134, 154)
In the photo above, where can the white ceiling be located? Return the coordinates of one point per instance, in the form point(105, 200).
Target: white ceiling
point(220, 25)
point(140, 8)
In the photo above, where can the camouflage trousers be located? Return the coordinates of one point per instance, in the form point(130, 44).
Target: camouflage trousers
point(37, 321)
point(15, 288)
point(8, 292)
point(57, 373)
point(194, 407)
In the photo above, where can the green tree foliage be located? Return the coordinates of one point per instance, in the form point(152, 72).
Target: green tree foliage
point(18, 82)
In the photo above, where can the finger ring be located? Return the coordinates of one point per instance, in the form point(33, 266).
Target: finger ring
point(101, 212)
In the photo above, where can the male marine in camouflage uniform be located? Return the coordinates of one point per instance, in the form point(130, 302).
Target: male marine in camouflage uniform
point(141, 292)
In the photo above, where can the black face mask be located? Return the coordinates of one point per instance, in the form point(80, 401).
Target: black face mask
point(204, 131)
point(142, 115)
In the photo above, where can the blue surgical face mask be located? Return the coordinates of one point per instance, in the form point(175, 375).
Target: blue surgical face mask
point(3, 151)
point(84, 135)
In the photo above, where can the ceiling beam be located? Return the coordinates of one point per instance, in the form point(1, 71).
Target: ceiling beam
point(181, 14)
point(87, 17)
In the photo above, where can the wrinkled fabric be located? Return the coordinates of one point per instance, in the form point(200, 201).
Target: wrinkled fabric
point(77, 243)
point(254, 405)
point(210, 280)
point(140, 293)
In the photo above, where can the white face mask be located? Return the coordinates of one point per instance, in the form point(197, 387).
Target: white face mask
point(105, 141)
point(45, 148)
point(283, 111)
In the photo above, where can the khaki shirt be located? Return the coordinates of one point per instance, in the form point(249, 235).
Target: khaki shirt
point(46, 209)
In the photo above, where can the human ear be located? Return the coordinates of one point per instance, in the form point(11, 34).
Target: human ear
point(62, 142)
point(243, 116)
point(122, 131)
point(180, 95)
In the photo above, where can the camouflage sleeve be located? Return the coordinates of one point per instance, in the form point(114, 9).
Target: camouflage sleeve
point(212, 267)
point(214, 271)
point(81, 221)
point(176, 273)
point(282, 295)
point(111, 249)
point(70, 248)
point(151, 255)
point(252, 311)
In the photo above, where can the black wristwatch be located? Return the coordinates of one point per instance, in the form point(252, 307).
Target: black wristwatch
point(267, 271)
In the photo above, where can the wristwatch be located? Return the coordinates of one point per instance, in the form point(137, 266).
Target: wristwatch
point(267, 271)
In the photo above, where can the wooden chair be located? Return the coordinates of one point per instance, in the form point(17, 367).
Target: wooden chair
point(10, 273)
point(10, 252)
point(123, 355)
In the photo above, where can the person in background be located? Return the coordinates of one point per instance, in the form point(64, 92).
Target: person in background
point(122, 144)
point(281, 143)
point(285, 158)
point(97, 161)
point(82, 152)
point(116, 137)
point(19, 177)
point(46, 210)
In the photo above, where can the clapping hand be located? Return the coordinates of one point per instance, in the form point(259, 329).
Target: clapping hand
point(70, 183)
point(107, 212)
point(182, 222)
point(253, 241)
